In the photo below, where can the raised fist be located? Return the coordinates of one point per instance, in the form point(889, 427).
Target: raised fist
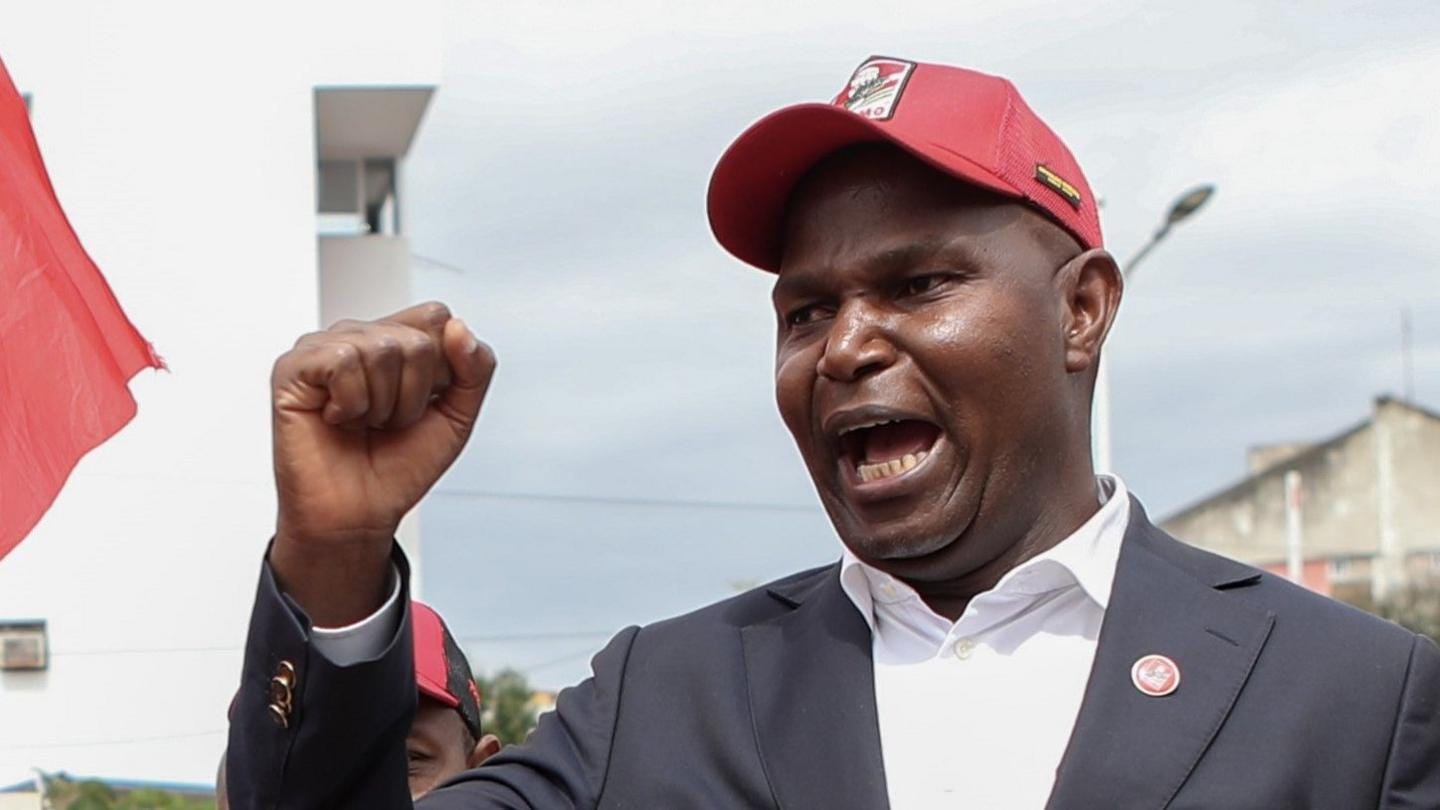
point(367, 416)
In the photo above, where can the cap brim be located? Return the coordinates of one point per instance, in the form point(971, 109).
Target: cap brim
point(430, 689)
point(753, 181)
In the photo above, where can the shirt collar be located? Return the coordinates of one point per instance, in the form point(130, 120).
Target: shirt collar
point(1088, 556)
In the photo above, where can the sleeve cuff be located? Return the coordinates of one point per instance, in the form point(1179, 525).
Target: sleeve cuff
point(366, 639)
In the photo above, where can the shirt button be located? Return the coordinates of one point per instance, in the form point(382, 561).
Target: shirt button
point(964, 648)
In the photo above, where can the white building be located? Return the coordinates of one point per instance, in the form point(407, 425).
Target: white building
point(185, 145)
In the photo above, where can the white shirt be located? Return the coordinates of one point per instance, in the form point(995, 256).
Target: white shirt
point(977, 713)
point(974, 713)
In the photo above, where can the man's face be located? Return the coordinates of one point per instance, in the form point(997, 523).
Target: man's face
point(439, 746)
point(921, 360)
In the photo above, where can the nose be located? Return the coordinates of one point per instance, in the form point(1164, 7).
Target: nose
point(857, 344)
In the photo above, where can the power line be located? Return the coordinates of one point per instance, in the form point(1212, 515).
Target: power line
point(144, 651)
point(557, 635)
point(489, 638)
point(437, 263)
point(552, 662)
point(113, 741)
point(616, 500)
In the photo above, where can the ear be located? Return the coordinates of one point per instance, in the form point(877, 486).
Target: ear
point(1090, 288)
point(488, 746)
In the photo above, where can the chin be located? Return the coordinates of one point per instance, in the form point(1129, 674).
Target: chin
point(897, 540)
point(905, 530)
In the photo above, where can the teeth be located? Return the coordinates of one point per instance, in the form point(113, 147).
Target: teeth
point(891, 468)
point(867, 425)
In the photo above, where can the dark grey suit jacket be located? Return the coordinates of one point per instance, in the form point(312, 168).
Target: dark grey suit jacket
point(1288, 700)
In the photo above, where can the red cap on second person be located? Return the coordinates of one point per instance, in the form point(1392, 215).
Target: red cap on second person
point(441, 671)
point(970, 125)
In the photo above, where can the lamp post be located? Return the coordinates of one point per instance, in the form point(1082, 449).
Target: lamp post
point(1183, 207)
point(1180, 210)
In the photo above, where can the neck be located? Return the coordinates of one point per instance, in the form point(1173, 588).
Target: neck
point(1066, 510)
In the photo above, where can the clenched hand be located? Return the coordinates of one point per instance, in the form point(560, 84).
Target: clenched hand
point(367, 416)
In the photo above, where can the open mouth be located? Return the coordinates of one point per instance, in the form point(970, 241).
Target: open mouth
point(886, 448)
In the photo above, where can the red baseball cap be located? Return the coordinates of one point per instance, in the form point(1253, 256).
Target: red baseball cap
point(441, 671)
point(971, 126)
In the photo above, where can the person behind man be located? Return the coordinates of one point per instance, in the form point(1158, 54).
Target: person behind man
point(445, 735)
point(1003, 629)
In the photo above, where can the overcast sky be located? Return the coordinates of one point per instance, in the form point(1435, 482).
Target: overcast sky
point(563, 167)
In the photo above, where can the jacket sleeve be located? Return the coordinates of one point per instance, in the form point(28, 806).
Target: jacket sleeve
point(308, 733)
point(562, 766)
point(335, 735)
point(1412, 775)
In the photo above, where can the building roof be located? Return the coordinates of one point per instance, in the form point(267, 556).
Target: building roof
point(1299, 459)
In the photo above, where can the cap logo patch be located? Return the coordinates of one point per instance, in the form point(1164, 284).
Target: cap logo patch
point(1058, 184)
point(875, 87)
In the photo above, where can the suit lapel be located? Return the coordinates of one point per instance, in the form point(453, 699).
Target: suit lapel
point(1132, 750)
point(812, 697)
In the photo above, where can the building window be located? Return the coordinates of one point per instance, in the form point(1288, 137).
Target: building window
point(357, 197)
point(1349, 567)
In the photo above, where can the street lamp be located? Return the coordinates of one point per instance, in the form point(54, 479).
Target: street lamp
point(1183, 207)
point(1180, 210)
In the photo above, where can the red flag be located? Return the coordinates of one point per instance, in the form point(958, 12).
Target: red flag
point(66, 348)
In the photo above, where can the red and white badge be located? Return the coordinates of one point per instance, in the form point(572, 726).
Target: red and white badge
point(875, 87)
point(1155, 675)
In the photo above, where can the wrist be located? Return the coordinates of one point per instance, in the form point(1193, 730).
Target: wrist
point(335, 584)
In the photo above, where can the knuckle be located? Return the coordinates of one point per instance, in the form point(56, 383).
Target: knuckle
point(345, 325)
point(292, 363)
point(418, 344)
point(308, 338)
point(388, 348)
point(434, 312)
point(343, 355)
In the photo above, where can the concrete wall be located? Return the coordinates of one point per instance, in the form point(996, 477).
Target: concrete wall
point(1415, 451)
point(1338, 510)
point(363, 276)
point(180, 138)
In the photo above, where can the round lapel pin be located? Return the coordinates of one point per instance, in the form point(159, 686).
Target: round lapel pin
point(1155, 675)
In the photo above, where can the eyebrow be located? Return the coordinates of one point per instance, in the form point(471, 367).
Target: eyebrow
point(916, 253)
point(799, 284)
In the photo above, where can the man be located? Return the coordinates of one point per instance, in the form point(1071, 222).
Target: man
point(1003, 630)
point(445, 736)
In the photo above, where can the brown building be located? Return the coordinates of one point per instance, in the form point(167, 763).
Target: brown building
point(1355, 516)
